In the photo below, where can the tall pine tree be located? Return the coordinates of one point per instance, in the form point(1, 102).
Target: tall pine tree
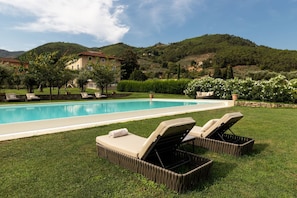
point(129, 64)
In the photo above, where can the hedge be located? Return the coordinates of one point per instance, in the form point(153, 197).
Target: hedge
point(170, 86)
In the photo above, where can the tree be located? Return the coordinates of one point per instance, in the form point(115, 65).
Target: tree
point(129, 64)
point(138, 75)
point(4, 74)
point(65, 77)
point(29, 81)
point(217, 72)
point(48, 68)
point(103, 75)
point(82, 79)
point(229, 72)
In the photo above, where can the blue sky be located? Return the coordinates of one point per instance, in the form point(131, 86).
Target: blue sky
point(26, 24)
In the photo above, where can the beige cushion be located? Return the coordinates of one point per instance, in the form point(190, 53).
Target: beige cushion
point(213, 124)
point(129, 144)
point(209, 124)
point(196, 131)
point(137, 146)
point(210, 93)
point(167, 128)
point(223, 120)
point(204, 94)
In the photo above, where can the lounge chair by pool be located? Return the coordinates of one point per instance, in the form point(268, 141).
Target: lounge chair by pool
point(32, 96)
point(10, 97)
point(213, 137)
point(99, 95)
point(157, 157)
point(85, 95)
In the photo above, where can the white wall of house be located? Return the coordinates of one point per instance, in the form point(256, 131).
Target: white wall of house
point(85, 58)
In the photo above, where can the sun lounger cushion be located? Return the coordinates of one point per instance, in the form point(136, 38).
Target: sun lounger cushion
point(129, 144)
point(167, 128)
point(32, 96)
point(208, 124)
point(138, 146)
point(99, 95)
point(227, 119)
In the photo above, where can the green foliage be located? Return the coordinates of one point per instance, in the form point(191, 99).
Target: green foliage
point(294, 83)
point(49, 69)
point(138, 75)
point(229, 72)
point(157, 86)
point(63, 49)
point(117, 50)
point(217, 73)
point(262, 75)
point(224, 49)
point(5, 72)
point(103, 75)
point(82, 78)
point(29, 81)
point(277, 89)
point(129, 64)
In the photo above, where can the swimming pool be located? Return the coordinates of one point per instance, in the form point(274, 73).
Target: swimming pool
point(34, 112)
point(76, 120)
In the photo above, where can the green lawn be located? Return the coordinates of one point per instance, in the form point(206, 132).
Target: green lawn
point(66, 164)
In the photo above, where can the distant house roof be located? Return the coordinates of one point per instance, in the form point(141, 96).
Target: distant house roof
point(11, 61)
point(97, 54)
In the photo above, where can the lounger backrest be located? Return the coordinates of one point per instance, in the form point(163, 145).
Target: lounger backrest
point(167, 136)
point(84, 94)
point(11, 96)
point(223, 124)
point(30, 95)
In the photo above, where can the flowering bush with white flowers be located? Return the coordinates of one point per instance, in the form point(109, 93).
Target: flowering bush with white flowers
point(277, 89)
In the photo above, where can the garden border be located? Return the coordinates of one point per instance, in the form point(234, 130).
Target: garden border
point(264, 104)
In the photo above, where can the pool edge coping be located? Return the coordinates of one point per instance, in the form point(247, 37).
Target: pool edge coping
point(31, 129)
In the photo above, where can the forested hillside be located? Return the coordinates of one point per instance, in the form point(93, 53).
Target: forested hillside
point(8, 54)
point(61, 47)
point(207, 51)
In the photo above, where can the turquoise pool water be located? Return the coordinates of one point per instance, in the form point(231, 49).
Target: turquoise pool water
point(34, 112)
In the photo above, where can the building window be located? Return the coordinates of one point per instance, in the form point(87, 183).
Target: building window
point(90, 58)
point(77, 67)
point(102, 59)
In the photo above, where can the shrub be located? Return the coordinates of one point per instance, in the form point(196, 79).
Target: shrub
point(157, 86)
point(277, 89)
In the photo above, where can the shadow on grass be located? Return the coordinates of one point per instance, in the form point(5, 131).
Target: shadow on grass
point(258, 148)
point(218, 171)
point(193, 149)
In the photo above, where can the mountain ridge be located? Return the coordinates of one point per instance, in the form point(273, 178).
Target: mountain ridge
point(215, 49)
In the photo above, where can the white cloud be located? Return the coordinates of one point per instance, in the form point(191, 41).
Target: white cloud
point(99, 18)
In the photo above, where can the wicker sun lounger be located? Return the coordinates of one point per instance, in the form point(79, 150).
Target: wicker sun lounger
point(12, 97)
point(98, 95)
point(31, 96)
point(212, 136)
point(158, 157)
point(85, 95)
